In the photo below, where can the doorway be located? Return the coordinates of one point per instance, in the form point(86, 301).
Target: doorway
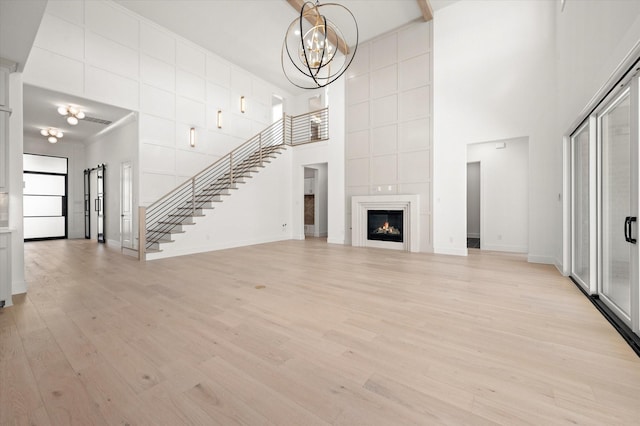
point(94, 205)
point(315, 199)
point(44, 197)
point(277, 108)
point(498, 195)
point(473, 205)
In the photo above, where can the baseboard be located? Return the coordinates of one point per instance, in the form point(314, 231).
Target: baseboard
point(18, 287)
point(509, 249)
point(451, 251)
point(130, 252)
point(114, 243)
point(547, 260)
point(335, 241)
point(215, 247)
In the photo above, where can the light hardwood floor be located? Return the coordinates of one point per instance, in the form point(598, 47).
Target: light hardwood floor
point(305, 333)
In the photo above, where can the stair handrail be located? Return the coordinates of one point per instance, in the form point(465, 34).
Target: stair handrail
point(212, 165)
point(289, 130)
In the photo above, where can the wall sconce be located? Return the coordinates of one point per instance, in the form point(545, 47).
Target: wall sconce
point(243, 104)
point(192, 137)
point(219, 119)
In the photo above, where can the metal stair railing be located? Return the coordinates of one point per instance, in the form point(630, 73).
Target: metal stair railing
point(198, 192)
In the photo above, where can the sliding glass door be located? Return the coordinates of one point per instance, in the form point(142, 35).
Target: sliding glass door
point(619, 251)
point(605, 191)
point(582, 178)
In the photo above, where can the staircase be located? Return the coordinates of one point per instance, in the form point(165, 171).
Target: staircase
point(175, 212)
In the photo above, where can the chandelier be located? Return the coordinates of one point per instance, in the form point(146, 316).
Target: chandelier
point(52, 134)
point(315, 52)
point(73, 114)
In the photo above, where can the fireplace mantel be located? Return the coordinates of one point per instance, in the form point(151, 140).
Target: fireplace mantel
point(410, 206)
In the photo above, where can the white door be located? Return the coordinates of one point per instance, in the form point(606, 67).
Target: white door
point(126, 206)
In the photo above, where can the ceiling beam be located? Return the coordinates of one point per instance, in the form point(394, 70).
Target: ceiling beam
point(333, 38)
point(427, 11)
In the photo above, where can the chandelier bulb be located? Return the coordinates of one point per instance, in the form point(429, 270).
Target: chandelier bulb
point(52, 139)
point(72, 120)
point(62, 110)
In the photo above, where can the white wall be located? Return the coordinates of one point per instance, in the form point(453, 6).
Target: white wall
point(74, 151)
point(16, 184)
point(494, 78)
point(103, 52)
point(388, 144)
point(473, 199)
point(593, 37)
point(257, 212)
point(332, 153)
point(504, 207)
point(115, 145)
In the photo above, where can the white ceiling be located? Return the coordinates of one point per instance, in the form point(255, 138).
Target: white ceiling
point(40, 112)
point(248, 33)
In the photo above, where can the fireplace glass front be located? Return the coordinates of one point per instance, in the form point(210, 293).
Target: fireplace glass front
point(385, 225)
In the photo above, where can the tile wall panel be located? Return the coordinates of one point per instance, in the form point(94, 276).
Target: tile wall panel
point(384, 110)
point(157, 73)
point(190, 58)
point(109, 88)
point(190, 112)
point(414, 167)
point(415, 103)
point(157, 159)
point(413, 41)
point(384, 81)
point(384, 140)
point(359, 88)
point(160, 103)
point(412, 72)
point(388, 141)
point(60, 36)
point(112, 22)
point(357, 117)
point(385, 51)
point(218, 71)
point(111, 56)
point(414, 135)
point(70, 10)
point(358, 144)
point(55, 72)
point(157, 131)
point(157, 43)
point(190, 85)
point(384, 169)
point(357, 172)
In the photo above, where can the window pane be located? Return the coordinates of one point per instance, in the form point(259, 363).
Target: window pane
point(35, 205)
point(581, 237)
point(43, 227)
point(43, 184)
point(616, 205)
point(43, 163)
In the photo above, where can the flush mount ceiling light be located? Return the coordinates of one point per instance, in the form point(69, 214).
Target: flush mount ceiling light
point(73, 114)
point(52, 134)
point(315, 52)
